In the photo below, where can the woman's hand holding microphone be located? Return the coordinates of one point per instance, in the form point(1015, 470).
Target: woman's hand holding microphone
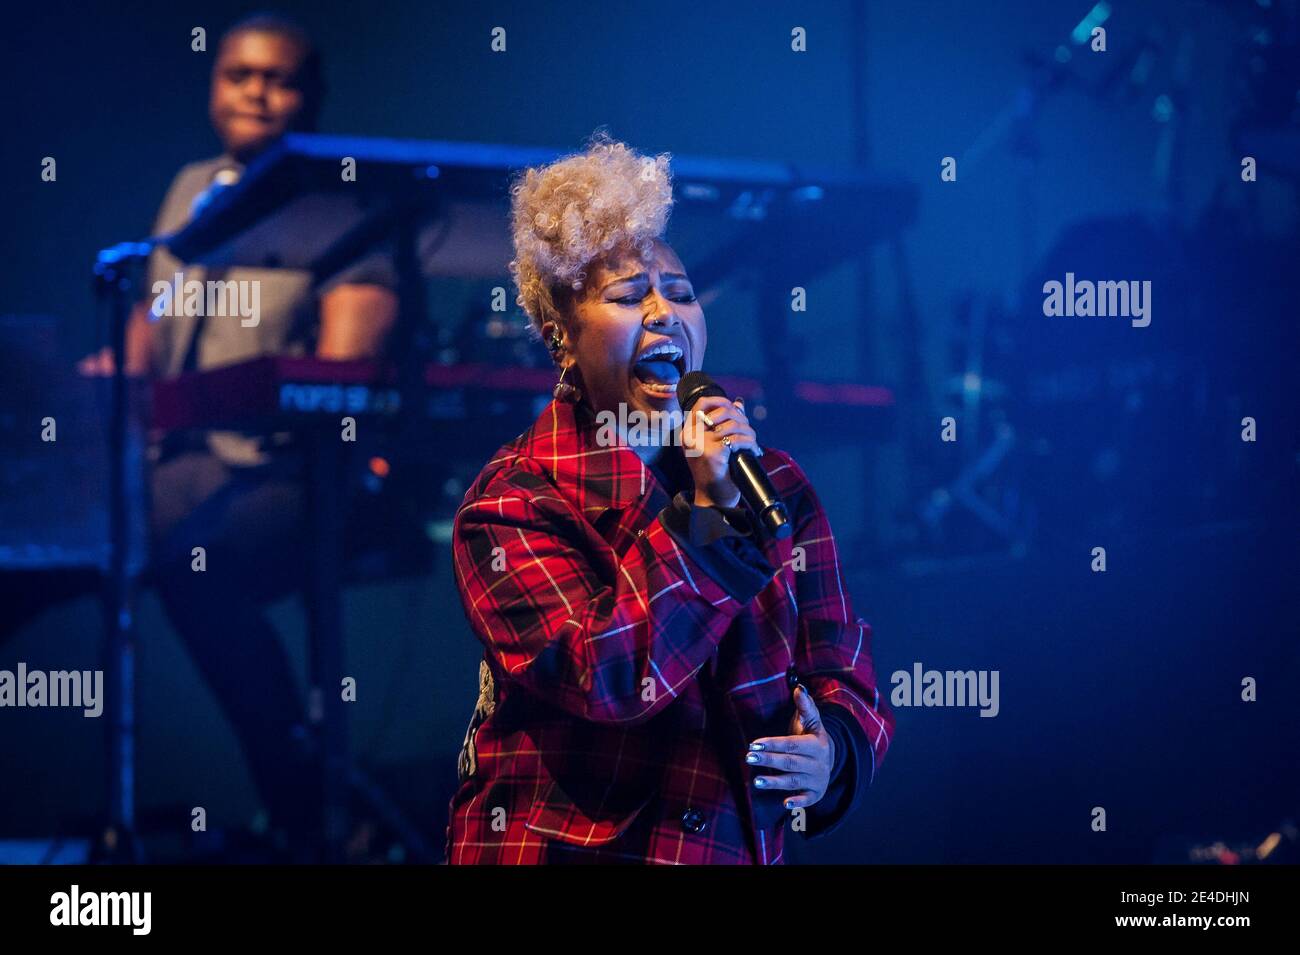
point(714, 428)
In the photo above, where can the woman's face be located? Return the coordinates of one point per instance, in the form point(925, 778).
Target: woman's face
point(634, 330)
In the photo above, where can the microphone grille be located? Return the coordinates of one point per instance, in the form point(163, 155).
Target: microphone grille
point(694, 386)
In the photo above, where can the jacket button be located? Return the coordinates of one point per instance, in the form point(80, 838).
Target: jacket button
point(792, 677)
point(693, 821)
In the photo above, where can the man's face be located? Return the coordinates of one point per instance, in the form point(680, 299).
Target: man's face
point(629, 307)
point(257, 91)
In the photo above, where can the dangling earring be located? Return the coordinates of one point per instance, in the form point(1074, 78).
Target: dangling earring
point(564, 391)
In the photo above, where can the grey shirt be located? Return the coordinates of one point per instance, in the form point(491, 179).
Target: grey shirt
point(284, 322)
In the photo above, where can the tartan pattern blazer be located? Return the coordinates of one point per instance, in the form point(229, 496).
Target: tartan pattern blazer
point(622, 682)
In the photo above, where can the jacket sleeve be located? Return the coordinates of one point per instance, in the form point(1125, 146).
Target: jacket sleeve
point(833, 658)
point(606, 638)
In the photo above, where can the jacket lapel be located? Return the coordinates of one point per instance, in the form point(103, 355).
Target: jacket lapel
point(610, 485)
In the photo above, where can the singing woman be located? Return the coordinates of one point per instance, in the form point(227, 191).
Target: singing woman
point(662, 682)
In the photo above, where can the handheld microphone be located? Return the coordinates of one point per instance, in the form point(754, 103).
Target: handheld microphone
point(752, 481)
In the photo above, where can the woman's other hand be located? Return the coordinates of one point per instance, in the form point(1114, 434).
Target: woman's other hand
point(805, 757)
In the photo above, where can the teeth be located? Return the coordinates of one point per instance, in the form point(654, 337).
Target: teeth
point(672, 352)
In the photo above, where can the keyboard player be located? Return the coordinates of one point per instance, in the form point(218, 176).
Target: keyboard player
point(240, 495)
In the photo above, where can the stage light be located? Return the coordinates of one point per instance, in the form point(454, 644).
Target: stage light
point(1095, 18)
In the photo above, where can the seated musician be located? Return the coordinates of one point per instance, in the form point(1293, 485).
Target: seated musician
point(240, 495)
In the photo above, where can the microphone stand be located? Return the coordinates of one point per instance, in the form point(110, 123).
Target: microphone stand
point(117, 275)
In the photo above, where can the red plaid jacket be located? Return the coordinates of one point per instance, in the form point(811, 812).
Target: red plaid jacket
point(626, 672)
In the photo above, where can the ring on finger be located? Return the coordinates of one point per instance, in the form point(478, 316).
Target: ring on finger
point(726, 440)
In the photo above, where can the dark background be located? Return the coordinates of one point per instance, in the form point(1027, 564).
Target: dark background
point(1119, 690)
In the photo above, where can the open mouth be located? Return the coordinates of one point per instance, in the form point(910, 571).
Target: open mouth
point(659, 368)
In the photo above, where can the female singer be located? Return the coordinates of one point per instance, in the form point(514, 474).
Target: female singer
point(662, 682)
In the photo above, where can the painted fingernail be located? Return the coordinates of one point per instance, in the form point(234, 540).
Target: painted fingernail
point(752, 758)
point(760, 783)
point(789, 804)
point(757, 747)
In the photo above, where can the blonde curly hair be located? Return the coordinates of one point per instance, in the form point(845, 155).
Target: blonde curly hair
point(568, 212)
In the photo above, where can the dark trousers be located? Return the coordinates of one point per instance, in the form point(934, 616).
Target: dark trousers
point(251, 524)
